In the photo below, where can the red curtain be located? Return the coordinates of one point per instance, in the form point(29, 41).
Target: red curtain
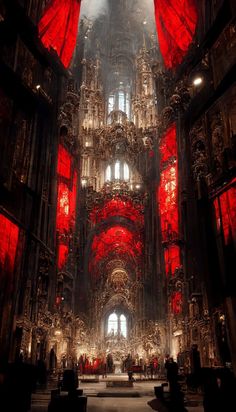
point(176, 23)
point(58, 28)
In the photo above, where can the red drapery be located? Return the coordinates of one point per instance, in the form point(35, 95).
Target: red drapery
point(176, 23)
point(58, 28)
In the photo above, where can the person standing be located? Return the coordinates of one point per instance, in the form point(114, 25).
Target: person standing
point(172, 373)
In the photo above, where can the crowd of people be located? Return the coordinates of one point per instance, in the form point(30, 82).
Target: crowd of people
point(216, 385)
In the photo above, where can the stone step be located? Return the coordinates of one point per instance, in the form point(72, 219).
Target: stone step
point(118, 394)
point(119, 384)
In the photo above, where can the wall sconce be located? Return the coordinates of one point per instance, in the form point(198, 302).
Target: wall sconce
point(197, 81)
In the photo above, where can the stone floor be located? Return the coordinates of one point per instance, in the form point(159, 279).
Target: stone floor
point(101, 397)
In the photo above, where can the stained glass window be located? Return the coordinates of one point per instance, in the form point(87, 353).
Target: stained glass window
point(123, 326)
point(126, 171)
point(112, 327)
point(117, 170)
point(108, 173)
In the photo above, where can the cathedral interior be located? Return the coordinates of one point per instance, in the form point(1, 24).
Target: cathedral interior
point(118, 181)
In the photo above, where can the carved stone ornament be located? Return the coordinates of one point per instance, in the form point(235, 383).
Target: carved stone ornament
point(217, 135)
point(199, 152)
point(68, 116)
point(167, 116)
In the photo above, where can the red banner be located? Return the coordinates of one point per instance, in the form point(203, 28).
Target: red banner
point(58, 28)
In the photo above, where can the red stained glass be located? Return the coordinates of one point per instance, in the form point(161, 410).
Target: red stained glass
point(116, 241)
point(63, 251)
point(225, 211)
point(63, 207)
point(9, 234)
point(168, 145)
point(176, 22)
point(58, 300)
point(66, 202)
point(72, 195)
point(118, 207)
point(168, 202)
point(217, 213)
point(176, 303)
point(172, 259)
point(58, 28)
point(64, 162)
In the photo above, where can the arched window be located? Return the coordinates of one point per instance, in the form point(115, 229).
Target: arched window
point(117, 170)
point(108, 173)
point(119, 99)
point(121, 103)
point(126, 171)
point(111, 103)
point(123, 326)
point(112, 324)
point(117, 325)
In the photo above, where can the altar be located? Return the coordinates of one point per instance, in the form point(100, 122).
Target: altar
point(117, 367)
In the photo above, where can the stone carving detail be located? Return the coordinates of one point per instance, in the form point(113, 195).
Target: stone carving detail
point(143, 103)
point(114, 140)
point(177, 101)
point(111, 190)
point(167, 116)
point(217, 135)
point(199, 152)
point(118, 279)
point(152, 339)
point(68, 117)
